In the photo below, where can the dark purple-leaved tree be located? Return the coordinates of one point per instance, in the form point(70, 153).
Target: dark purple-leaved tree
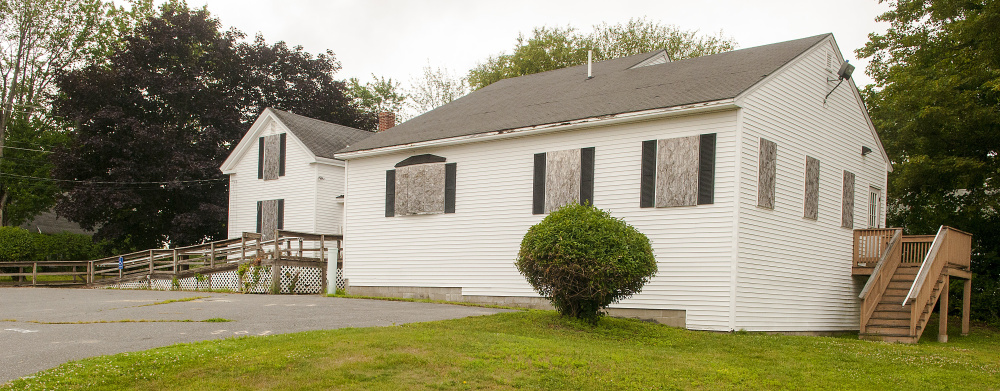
point(150, 127)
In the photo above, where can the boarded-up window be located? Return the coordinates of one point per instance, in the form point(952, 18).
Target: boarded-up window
point(270, 216)
point(811, 202)
point(678, 172)
point(420, 189)
point(271, 156)
point(847, 219)
point(766, 175)
point(420, 185)
point(563, 177)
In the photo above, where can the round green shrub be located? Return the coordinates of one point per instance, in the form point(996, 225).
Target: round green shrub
point(15, 244)
point(582, 260)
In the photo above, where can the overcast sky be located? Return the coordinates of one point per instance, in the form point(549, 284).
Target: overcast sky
point(397, 38)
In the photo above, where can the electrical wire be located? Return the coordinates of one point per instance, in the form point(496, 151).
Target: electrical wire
point(26, 149)
point(30, 143)
point(110, 182)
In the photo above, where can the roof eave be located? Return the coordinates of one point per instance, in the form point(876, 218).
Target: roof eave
point(229, 166)
point(604, 120)
point(246, 143)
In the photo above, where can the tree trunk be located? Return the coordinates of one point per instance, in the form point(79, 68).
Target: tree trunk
point(8, 112)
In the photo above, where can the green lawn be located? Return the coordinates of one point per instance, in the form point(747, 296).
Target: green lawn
point(538, 350)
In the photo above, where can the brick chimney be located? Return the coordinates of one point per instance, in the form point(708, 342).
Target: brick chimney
point(386, 120)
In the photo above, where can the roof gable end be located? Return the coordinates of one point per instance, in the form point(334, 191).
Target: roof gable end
point(319, 139)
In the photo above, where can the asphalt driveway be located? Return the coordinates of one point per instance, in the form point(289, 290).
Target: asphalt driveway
point(41, 328)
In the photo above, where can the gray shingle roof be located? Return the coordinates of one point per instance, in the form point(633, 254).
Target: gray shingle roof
point(321, 137)
point(566, 94)
point(49, 223)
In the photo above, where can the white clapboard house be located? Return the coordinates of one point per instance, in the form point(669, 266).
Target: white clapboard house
point(282, 175)
point(747, 170)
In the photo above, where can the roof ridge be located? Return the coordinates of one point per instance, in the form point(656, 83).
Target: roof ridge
point(566, 94)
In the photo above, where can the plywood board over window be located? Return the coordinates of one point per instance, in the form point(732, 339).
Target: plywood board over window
point(271, 156)
point(811, 202)
point(421, 185)
point(270, 216)
point(768, 170)
point(420, 189)
point(847, 216)
point(563, 177)
point(678, 172)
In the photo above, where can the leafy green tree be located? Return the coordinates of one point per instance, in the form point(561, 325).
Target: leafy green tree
point(547, 49)
point(582, 260)
point(151, 126)
point(26, 168)
point(559, 47)
point(936, 104)
point(40, 39)
point(436, 87)
point(379, 95)
point(644, 36)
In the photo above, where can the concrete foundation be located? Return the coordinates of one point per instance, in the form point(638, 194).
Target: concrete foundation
point(672, 318)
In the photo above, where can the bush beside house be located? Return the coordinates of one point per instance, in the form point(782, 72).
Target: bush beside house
point(582, 260)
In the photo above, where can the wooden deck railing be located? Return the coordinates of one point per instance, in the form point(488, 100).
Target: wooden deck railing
point(915, 248)
point(951, 247)
point(872, 293)
point(870, 245)
point(287, 245)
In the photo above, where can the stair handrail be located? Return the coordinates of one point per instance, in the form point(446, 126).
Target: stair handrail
point(920, 292)
point(881, 276)
point(927, 266)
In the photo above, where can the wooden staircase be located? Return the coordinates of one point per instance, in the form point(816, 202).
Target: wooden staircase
point(890, 321)
point(907, 282)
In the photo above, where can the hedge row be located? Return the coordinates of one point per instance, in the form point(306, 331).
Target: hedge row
point(21, 245)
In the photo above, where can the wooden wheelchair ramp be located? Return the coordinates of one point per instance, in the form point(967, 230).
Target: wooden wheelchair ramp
point(283, 259)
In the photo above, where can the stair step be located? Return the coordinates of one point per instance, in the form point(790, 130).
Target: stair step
point(893, 315)
point(887, 330)
point(889, 338)
point(900, 285)
point(892, 307)
point(892, 299)
point(880, 322)
point(896, 291)
point(908, 269)
point(903, 278)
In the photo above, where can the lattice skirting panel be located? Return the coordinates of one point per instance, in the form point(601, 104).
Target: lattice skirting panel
point(257, 279)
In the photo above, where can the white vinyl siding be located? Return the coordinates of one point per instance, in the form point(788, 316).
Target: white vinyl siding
point(475, 248)
point(794, 273)
point(297, 187)
point(329, 208)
